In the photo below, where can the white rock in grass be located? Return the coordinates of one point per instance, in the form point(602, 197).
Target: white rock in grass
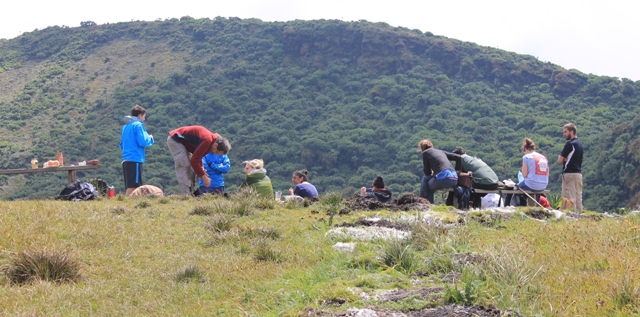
point(367, 233)
point(344, 246)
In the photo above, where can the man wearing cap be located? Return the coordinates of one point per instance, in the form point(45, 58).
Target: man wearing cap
point(571, 158)
point(188, 145)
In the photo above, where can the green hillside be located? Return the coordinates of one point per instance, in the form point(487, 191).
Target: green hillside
point(346, 100)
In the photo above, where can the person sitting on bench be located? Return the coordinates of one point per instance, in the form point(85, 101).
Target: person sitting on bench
point(483, 176)
point(535, 170)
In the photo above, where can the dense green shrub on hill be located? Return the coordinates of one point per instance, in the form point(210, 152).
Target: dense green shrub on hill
point(345, 100)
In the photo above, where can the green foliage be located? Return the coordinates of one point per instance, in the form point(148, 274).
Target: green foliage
point(293, 95)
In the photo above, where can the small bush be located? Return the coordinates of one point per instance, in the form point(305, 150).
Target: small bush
point(190, 274)
point(264, 252)
point(29, 266)
point(399, 255)
point(219, 223)
point(202, 210)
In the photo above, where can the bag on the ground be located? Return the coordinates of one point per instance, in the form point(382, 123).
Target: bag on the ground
point(147, 190)
point(464, 179)
point(463, 194)
point(491, 200)
point(78, 191)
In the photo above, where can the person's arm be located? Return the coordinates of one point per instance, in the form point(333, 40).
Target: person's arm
point(426, 166)
point(196, 157)
point(561, 159)
point(142, 137)
point(223, 167)
point(525, 169)
point(456, 158)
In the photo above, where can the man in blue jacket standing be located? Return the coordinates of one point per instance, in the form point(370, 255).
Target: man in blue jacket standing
point(216, 166)
point(132, 143)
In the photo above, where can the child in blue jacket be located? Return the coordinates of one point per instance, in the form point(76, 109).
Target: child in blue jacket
point(132, 143)
point(216, 166)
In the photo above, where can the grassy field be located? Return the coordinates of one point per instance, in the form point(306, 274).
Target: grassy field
point(247, 257)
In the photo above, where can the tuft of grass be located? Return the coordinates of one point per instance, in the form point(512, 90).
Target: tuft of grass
point(626, 295)
point(164, 200)
point(399, 255)
point(265, 203)
point(29, 266)
point(202, 210)
point(440, 265)
point(190, 274)
point(118, 210)
point(425, 236)
point(264, 252)
point(467, 296)
point(120, 197)
point(143, 204)
point(241, 208)
point(332, 201)
point(219, 223)
point(269, 233)
point(293, 204)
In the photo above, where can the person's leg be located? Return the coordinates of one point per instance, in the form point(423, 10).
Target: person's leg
point(182, 165)
point(435, 184)
point(132, 176)
point(425, 191)
point(572, 189)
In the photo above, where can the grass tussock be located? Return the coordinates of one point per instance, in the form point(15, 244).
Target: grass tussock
point(206, 210)
point(30, 266)
point(118, 210)
point(190, 274)
point(265, 252)
point(400, 255)
point(143, 204)
point(219, 223)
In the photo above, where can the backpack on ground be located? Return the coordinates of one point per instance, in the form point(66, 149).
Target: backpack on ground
point(463, 194)
point(78, 191)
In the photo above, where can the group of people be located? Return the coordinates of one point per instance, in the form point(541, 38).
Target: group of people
point(198, 152)
point(439, 173)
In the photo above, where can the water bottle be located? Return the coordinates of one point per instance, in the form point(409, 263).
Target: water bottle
point(112, 192)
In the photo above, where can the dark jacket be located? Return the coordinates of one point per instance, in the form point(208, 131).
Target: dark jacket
point(380, 194)
point(435, 160)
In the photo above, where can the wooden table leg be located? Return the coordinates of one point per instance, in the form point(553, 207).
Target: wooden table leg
point(72, 176)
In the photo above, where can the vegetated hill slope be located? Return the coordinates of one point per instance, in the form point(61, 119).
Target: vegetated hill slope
point(346, 100)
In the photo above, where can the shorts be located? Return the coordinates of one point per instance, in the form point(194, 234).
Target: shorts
point(132, 174)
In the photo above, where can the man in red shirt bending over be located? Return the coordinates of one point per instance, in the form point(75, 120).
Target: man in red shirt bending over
point(188, 145)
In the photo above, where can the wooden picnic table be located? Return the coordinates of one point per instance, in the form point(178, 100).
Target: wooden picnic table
point(70, 169)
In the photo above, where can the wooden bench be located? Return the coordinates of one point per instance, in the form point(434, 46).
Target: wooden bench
point(70, 169)
point(532, 193)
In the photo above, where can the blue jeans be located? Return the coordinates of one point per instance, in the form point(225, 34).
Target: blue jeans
point(430, 184)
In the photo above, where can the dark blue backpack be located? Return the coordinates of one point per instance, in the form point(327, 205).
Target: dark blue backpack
point(463, 194)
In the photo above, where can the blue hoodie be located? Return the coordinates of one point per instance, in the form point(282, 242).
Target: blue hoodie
point(216, 165)
point(134, 139)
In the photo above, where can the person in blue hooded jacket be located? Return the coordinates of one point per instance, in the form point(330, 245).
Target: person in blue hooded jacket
point(216, 165)
point(132, 143)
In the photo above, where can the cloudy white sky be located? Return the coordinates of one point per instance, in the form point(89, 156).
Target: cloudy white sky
point(598, 37)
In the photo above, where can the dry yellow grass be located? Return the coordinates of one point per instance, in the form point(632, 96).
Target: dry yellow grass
point(130, 256)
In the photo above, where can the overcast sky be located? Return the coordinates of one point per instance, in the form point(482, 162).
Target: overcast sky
point(598, 37)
